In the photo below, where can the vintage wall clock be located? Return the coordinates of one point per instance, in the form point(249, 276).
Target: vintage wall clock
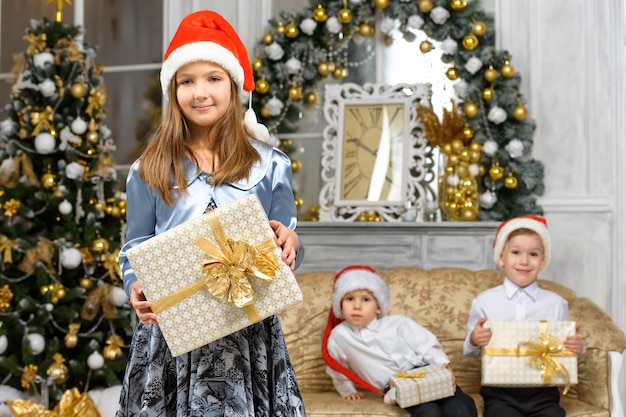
point(374, 152)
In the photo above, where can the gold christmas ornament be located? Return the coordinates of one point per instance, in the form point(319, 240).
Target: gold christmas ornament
point(381, 4)
point(491, 74)
point(92, 137)
point(78, 90)
point(320, 14)
point(257, 64)
point(388, 40)
point(86, 283)
point(520, 112)
point(468, 132)
point(480, 28)
point(295, 93)
point(58, 371)
point(510, 181)
point(507, 70)
point(280, 27)
point(311, 97)
point(267, 38)
point(265, 113)
point(458, 4)
point(296, 166)
point(112, 351)
point(299, 202)
point(49, 181)
point(71, 340)
point(345, 15)
point(262, 86)
point(99, 246)
point(426, 46)
point(425, 6)
point(452, 73)
point(340, 72)
point(323, 68)
point(488, 93)
point(496, 172)
point(366, 29)
point(470, 42)
point(470, 109)
point(292, 31)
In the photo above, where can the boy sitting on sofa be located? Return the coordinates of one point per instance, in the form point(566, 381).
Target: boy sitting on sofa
point(365, 347)
point(522, 249)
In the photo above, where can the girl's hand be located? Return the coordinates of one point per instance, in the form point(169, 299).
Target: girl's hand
point(286, 239)
point(354, 396)
point(141, 305)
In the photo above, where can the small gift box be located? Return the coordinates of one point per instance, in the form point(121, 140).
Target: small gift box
point(421, 385)
point(73, 403)
point(529, 354)
point(214, 275)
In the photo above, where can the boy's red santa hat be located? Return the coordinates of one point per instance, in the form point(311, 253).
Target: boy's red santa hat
point(351, 278)
point(207, 36)
point(537, 224)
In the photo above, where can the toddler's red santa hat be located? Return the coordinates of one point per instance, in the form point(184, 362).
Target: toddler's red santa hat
point(207, 36)
point(351, 278)
point(537, 224)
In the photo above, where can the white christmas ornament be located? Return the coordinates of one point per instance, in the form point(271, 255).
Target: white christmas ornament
point(42, 59)
point(65, 207)
point(487, 199)
point(47, 88)
point(78, 126)
point(308, 26)
point(473, 169)
point(71, 258)
point(95, 361)
point(118, 296)
point(439, 15)
point(515, 148)
point(37, 343)
point(453, 180)
point(45, 143)
point(74, 170)
point(4, 343)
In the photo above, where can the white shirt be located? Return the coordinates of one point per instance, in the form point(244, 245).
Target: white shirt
point(508, 302)
point(376, 351)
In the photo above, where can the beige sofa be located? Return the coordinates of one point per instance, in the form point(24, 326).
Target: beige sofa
point(439, 299)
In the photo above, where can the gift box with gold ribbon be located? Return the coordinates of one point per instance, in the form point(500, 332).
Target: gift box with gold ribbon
point(214, 275)
point(73, 403)
point(421, 385)
point(529, 354)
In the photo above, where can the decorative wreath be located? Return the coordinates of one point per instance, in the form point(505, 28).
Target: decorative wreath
point(300, 50)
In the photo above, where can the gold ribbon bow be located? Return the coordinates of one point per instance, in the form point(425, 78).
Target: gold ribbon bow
point(36, 43)
point(112, 264)
point(72, 404)
point(46, 117)
point(227, 269)
point(414, 374)
point(6, 249)
point(44, 251)
point(542, 351)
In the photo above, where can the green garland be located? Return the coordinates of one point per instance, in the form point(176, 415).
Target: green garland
point(494, 108)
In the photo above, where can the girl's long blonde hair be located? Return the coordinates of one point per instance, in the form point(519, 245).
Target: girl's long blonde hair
point(162, 159)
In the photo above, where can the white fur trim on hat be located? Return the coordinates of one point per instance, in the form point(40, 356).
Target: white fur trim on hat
point(201, 51)
point(535, 223)
point(360, 279)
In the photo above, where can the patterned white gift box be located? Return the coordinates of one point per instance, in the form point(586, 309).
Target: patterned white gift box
point(171, 266)
point(421, 385)
point(509, 360)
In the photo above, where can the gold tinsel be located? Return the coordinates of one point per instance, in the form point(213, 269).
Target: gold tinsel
point(6, 295)
point(11, 207)
point(450, 128)
point(29, 375)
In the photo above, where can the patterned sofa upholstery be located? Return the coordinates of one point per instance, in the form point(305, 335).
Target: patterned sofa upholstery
point(440, 299)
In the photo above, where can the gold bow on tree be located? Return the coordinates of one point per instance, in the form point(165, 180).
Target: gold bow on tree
point(6, 249)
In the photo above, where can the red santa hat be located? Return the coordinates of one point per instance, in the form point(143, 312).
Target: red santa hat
point(351, 278)
point(537, 224)
point(206, 36)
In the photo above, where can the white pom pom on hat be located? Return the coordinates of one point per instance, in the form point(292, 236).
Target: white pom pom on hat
point(537, 224)
point(359, 277)
point(206, 36)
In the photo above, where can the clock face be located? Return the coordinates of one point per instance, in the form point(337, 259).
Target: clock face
point(372, 152)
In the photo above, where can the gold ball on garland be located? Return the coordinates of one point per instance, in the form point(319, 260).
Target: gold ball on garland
point(488, 93)
point(366, 29)
point(470, 42)
point(339, 73)
point(99, 245)
point(475, 146)
point(452, 73)
point(295, 93)
point(93, 137)
point(426, 46)
point(457, 145)
point(59, 372)
point(111, 352)
point(468, 132)
point(474, 156)
point(320, 14)
point(469, 214)
point(71, 340)
point(425, 6)
point(381, 4)
point(490, 74)
point(510, 181)
point(265, 113)
point(78, 90)
point(323, 68)
point(496, 172)
point(292, 31)
point(458, 4)
point(262, 86)
point(257, 64)
point(115, 211)
point(85, 282)
point(480, 28)
point(520, 112)
point(49, 181)
point(388, 40)
point(311, 97)
point(60, 292)
point(470, 109)
point(280, 27)
point(507, 70)
point(299, 202)
point(296, 166)
point(345, 16)
point(267, 38)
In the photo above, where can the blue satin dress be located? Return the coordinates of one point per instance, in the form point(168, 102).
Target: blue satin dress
point(247, 373)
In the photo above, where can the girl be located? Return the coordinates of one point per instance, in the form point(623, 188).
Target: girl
point(200, 158)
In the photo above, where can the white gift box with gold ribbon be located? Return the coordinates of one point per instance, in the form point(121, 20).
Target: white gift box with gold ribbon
point(421, 385)
point(214, 275)
point(529, 354)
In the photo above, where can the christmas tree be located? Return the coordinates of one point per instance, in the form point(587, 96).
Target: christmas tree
point(64, 316)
